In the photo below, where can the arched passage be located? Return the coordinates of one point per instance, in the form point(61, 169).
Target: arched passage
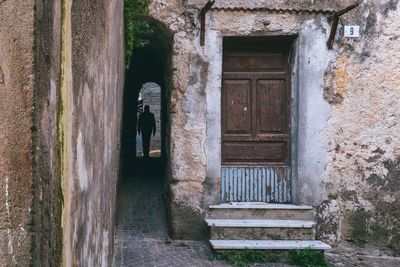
point(149, 64)
point(150, 95)
point(141, 211)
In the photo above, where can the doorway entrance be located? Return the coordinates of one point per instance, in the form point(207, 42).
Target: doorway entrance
point(150, 95)
point(255, 117)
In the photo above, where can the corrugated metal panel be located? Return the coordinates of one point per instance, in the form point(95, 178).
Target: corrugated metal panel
point(256, 184)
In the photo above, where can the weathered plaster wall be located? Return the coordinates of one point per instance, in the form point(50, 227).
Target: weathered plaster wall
point(195, 102)
point(362, 135)
point(16, 109)
point(310, 111)
point(346, 107)
point(29, 76)
point(46, 193)
point(79, 67)
point(90, 123)
point(313, 112)
point(187, 128)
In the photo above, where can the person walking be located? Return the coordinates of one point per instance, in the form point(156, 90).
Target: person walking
point(146, 126)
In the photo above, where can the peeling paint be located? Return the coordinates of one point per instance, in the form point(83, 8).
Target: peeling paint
point(7, 205)
point(81, 164)
point(9, 234)
point(364, 130)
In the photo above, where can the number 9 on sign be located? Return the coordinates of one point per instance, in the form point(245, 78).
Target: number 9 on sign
point(351, 31)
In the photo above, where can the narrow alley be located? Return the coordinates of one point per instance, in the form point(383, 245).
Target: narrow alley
point(141, 237)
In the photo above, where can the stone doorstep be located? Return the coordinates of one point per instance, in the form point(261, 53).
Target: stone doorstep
point(259, 205)
point(260, 223)
point(268, 244)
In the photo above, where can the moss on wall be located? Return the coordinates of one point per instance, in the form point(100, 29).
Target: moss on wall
point(63, 137)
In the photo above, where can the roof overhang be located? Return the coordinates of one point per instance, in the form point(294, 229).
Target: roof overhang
point(323, 6)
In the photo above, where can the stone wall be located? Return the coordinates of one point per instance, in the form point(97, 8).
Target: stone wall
point(47, 200)
point(29, 73)
point(61, 79)
point(91, 89)
point(195, 99)
point(344, 109)
point(362, 136)
point(16, 125)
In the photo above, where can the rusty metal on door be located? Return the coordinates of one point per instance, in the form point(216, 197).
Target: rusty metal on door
point(255, 117)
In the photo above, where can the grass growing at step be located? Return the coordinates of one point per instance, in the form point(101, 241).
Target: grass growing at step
point(246, 257)
point(307, 257)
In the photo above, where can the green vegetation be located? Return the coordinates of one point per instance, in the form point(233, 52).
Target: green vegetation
point(136, 29)
point(274, 258)
point(246, 257)
point(301, 257)
point(307, 257)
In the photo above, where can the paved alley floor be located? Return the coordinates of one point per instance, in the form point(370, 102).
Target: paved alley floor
point(141, 237)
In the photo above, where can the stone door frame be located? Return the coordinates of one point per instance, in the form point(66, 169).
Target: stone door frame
point(213, 141)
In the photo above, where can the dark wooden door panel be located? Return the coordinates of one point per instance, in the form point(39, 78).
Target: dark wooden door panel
point(270, 106)
point(254, 62)
point(255, 111)
point(237, 106)
point(259, 152)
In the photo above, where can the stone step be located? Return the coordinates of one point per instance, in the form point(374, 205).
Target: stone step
point(260, 223)
point(238, 233)
point(261, 229)
point(268, 244)
point(260, 210)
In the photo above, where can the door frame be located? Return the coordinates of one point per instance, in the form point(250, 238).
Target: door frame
point(213, 115)
point(237, 180)
point(249, 46)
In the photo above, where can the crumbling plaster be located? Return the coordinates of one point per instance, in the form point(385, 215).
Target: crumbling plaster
point(195, 101)
point(362, 136)
point(29, 72)
point(345, 129)
point(95, 117)
point(16, 113)
point(44, 130)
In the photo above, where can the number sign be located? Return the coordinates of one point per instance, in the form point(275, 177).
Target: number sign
point(351, 31)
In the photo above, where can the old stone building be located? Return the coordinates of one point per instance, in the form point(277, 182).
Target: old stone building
point(254, 108)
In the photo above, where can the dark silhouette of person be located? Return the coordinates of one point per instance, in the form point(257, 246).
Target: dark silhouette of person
point(146, 125)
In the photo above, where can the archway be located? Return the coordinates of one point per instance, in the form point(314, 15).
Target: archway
point(151, 64)
point(141, 210)
point(150, 95)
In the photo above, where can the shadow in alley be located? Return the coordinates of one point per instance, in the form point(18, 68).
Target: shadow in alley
point(141, 209)
point(141, 232)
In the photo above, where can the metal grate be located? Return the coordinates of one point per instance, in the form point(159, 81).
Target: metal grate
point(256, 184)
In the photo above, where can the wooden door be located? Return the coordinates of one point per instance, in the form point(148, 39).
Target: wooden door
point(256, 102)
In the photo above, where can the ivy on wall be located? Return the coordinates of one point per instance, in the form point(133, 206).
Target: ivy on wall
point(136, 29)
